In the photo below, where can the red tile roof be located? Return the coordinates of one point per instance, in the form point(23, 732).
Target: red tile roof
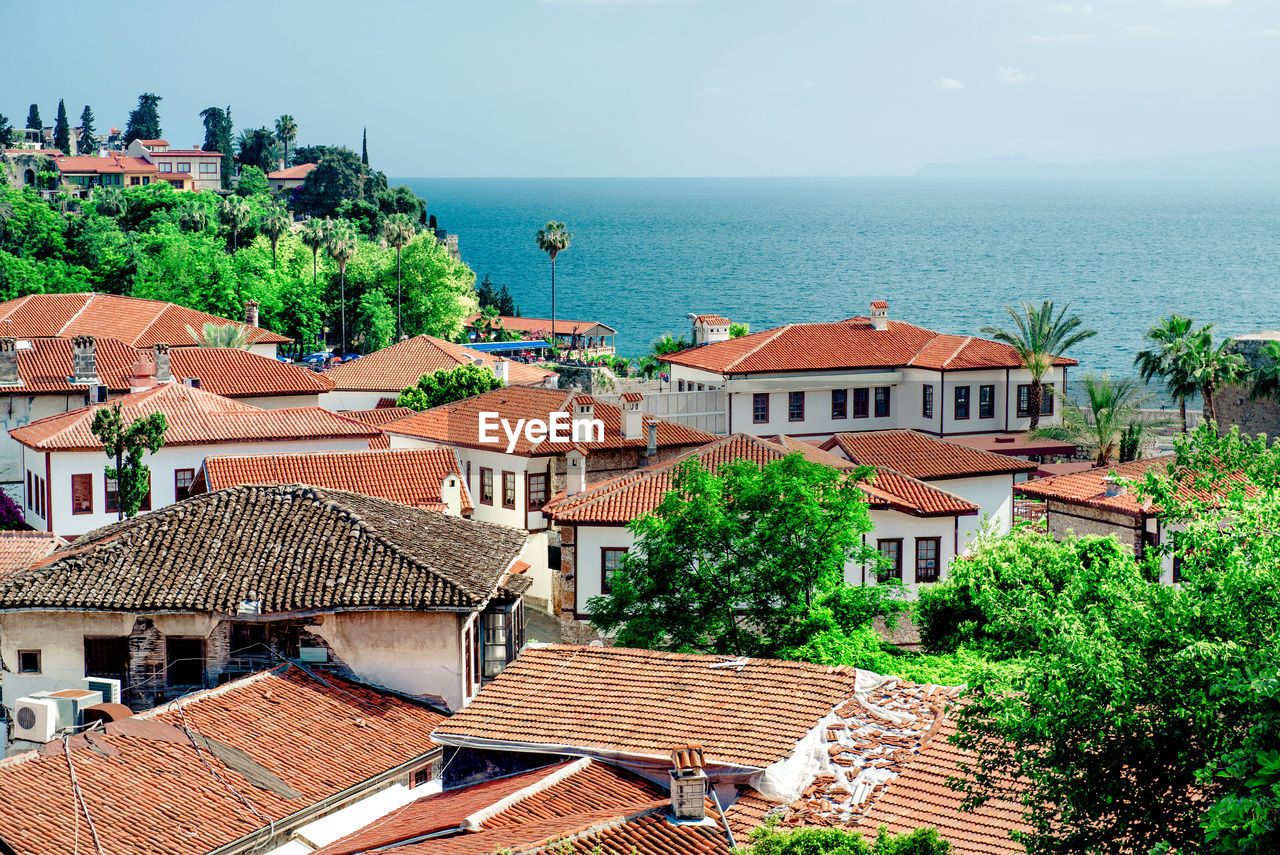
point(639, 704)
point(459, 423)
point(112, 164)
point(236, 373)
point(626, 497)
point(1087, 488)
point(849, 344)
point(711, 319)
point(410, 476)
point(379, 416)
point(47, 363)
point(155, 793)
point(135, 321)
point(18, 549)
point(154, 142)
point(186, 152)
point(543, 325)
point(924, 457)
point(399, 366)
point(195, 417)
point(293, 172)
point(1015, 444)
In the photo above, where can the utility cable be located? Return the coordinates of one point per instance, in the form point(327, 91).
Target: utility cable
point(75, 787)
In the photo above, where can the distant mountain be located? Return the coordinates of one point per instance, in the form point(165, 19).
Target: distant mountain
point(1259, 164)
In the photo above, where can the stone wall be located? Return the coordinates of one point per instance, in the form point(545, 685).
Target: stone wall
point(1081, 520)
point(1233, 404)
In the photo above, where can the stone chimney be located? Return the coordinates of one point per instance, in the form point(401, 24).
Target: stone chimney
point(451, 494)
point(143, 376)
point(879, 315)
point(632, 416)
point(1112, 485)
point(251, 313)
point(575, 471)
point(688, 784)
point(651, 447)
point(502, 370)
point(9, 362)
point(84, 361)
point(161, 355)
point(584, 413)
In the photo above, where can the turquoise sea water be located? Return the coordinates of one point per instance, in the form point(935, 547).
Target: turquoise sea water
point(946, 255)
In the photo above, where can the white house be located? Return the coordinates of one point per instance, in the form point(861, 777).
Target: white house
point(65, 489)
point(867, 373)
point(190, 168)
point(917, 526)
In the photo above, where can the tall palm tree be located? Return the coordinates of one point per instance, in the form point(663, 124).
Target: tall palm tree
point(286, 132)
point(109, 201)
point(398, 230)
point(1168, 360)
point(1112, 422)
point(193, 217)
point(340, 243)
point(234, 336)
point(1266, 377)
point(275, 221)
point(237, 214)
point(1212, 367)
point(314, 234)
point(553, 239)
point(1039, 338)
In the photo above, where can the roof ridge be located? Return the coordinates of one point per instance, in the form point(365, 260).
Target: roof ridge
point(71, 320)
point(777, 331)
point(924, 484)
point(963, 344)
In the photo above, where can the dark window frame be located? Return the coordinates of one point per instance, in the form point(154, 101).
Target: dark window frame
point(605, 570)
point(839, 403)
point(926, 401)
point(509, 480)
point(883, 575)
point(486, 471)
point(794, 399)
point(536, 496)
point(861, 402)
point(886, 399)
point(75, 511)
point(922, 572)
point(960, 411)
point(760, 408)
point(1024, 400)
point(175, 666)
point(24, 666)
point(987, 401)
point(180, 490)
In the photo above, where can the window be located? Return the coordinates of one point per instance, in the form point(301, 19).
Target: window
point(537, 489)
point(184, 167)
point(760, 407)
point(839, 403)
point(610, 563)
point(249, 639)
point(208, 169)
point(107, 657)
point(81, 494)
point(882, 402)
point(795, 406)
point(986, 402)
point(486, 485)
point(962, 402)
point(468, 642)
point(184, 662)
point(890, 559)
point(680, 387)
point(182, 479)
point(508, 489)
point(30, 492)
point(926, 401)
point(860, 409)
point(927, 549)
point(39, 498)
point(146, 500)
point(502, 636)
point(1024, 400)
point(165, 167)
point(135, 181)
point(113, 495)
point(28, 661)
point(422, 777)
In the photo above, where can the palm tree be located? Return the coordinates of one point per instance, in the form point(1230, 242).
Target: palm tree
point(398, 230)
point(667, 343)
point(275, 221)
point(314, 232)
point(1168, 360)
point(1113, 421)
point(649, 366)
point(1039, 339)
point(237, 214)
point(108, 201)
point(553, 239)
point(193, 217)
point(286, 132)
point(340, 243)
point(1211, 368)
point(1266, 377)
point(234, 336)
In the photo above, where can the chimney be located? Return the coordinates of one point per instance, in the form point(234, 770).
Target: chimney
point(575, 470)
point(163, 372)
point(879, 315)
point(451, 494)
point(1113, 485)
point(501, 370)
point(709, 329)
point(9, 362)
point(688, 784)
point(584, 412)
point(84, 361)
point(651, 447)
point(251, 313)
point(632, 417)
point(143, 376)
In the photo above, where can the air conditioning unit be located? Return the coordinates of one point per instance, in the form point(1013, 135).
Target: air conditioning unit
point(71, 704)
point(110, 688)
point(35, 719)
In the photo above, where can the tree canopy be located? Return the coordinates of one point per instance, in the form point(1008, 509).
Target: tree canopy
point(125, 445)
point(144, 120)
point(768, 840)
point(338, 177)
point(446, 385)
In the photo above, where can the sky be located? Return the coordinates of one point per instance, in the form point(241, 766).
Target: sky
point(549, 88)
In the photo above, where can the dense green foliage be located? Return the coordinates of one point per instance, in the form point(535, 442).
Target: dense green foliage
point(62, 129)
point(160, 244)
point(259, 148)
point(1039, 337)
point(337, 178)
point(144, 120)
point(7, 133)
point(768, 840)
point(446, 385)
point(1110, 422)
point(217, 137)
point(87, 141)
point(33, 117)
point(286, 133)
point(124, 445)
point(498, 299)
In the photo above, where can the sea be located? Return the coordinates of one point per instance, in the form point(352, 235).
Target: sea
point(948, 255)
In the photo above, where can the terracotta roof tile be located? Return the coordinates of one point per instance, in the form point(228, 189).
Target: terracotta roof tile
point(399, 366)
point(133, 320)
point(923, 457)
point(47, 364)
point(158, 797)
point(459, 423)
point(543, 325)
point(302, 170)
point(19, 549)
point(410, 476)
point(379, 416)
point(239, 374)
point(1088, 488)
point(711, 319)
point(112, 164)
point(195, 417)
point(290, 547)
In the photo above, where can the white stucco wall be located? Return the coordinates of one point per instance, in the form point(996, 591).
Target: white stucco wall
point(499, 462)
point(337, 401)
point(282, 402)
point(892, 524)
point(267, 350)
point(587, 569)
point(992, 493)
point(17, 410)
point(539, 572)
point(59, 637)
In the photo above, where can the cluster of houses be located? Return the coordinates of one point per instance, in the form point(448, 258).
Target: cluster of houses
point(313, 638)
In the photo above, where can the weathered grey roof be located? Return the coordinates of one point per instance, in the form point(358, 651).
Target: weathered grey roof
point(290, 547)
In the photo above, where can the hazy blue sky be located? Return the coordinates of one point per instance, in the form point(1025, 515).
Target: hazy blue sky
point(699, 87)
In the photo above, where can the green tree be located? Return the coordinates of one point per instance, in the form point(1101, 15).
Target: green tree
point(88, 142)
point(771, 840)
point(125, 444)
point(144, 120)
point(253, 182)
point(338, 177)
point(1168, 360)
point(374, 323)
point(1113, 423)
point(364, 147)
point(233, 336)
point(667, 344)
point(311, 153)
point(62, 129)
point(1040, 337)
point(286, 133)
point(274, 222)
point(109, 201)
point(314, 234)
point(194, 216)
point(217, 137)
point(258, 147)
point(398, 230)
point(739, 330)
point(737, 560)
point(446, 385)
point(237, 214)
point(1266, 377)
point(402, 200)
point(364, 216)
point(7, 133)
point(340, 243)
point(553, 239)
point(1211, 367)
point(33, 118)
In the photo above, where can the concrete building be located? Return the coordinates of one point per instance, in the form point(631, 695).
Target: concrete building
point(285, 181)
point(182, 168)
